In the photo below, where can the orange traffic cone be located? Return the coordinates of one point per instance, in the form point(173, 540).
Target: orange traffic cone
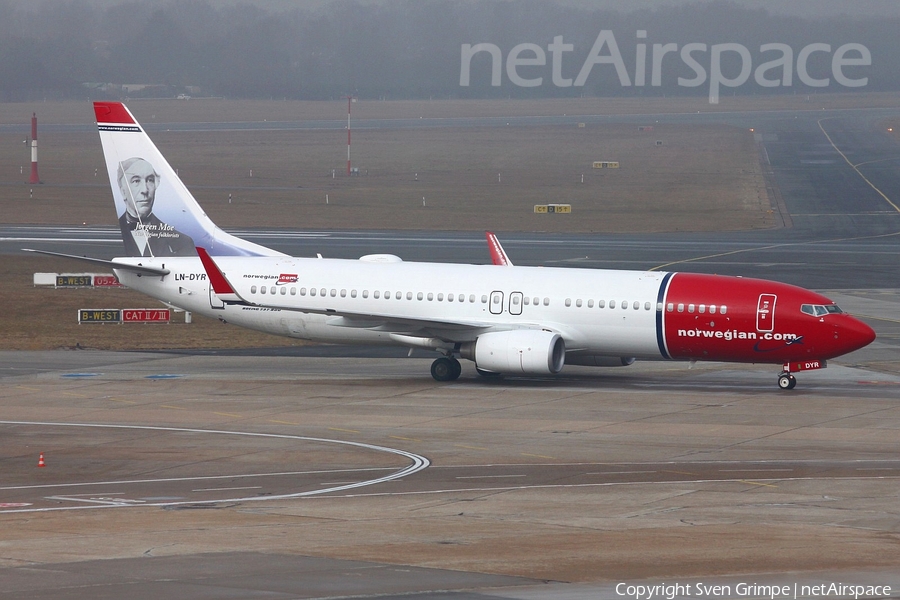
point(41, 460)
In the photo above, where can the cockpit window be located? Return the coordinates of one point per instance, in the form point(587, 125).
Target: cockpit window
point(820, 310)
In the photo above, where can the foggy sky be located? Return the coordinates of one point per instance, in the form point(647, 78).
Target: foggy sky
point(319, 49)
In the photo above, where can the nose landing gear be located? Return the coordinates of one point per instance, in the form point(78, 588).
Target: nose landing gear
point(786, 381)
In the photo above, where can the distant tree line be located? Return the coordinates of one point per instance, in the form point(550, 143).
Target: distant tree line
point(414, 49)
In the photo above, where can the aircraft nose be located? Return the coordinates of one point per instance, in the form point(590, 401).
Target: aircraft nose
point(852, 334)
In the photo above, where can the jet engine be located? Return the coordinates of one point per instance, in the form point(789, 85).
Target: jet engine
point(517, 352)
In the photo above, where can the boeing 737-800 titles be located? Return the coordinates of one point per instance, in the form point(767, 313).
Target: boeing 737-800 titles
point(507, 319)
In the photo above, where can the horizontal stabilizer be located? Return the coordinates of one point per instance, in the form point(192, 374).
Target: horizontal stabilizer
point(106, 263)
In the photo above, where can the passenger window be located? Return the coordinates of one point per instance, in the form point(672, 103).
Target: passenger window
point(723, 310)
point(353, 293)
point(568, 302)
point(252, 289)
point(399, 295)
point(333, 293)
point(701, 309)
point(546, 301)
point(343, 293)
point(624, 304)
point(670, 307)
point(449, 297)
point(312, 291)
point(612, 303)
point(283, 290)
point(409, 295)
point(365, 293)
point(712, 309)
point(536, 301)
point(471, 298)
point(376, 295)
point(681, 308)
point(484, 299)
point(690, 308)
point(461, 298)
point(293, 291)
point(272, 290)
point(419, 296)
point(387, 295)
point(322, 292)
point(590, 304)
point(578, 303)
point(526, 301)
point(440, 297)
point(601, 303)
point(636, 305)
point(430, 296)
point(302, 291)
point(646, 306)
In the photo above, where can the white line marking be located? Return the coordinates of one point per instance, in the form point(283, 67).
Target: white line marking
point(621, 472)
point(418, 463)
point(200, 478)
point(752, 470)
point(488, 476)
point(229, 489)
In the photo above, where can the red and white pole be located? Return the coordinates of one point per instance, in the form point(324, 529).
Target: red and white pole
point(34, 171)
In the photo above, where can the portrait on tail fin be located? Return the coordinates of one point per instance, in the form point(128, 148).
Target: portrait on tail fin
point(143, 233)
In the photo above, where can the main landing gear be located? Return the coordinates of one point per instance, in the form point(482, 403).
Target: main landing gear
point(446, 368)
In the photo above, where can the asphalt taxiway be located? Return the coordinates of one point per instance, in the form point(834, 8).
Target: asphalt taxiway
point(313, 476)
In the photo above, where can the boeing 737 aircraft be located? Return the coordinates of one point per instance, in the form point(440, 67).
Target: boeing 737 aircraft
point(507, 319)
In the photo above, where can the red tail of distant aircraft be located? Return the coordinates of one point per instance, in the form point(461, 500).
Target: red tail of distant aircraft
point(514, 320)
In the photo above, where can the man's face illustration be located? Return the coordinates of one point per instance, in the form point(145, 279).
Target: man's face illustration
point(139, 188)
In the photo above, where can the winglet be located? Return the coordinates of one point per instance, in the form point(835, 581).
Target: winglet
point(220, 285)
point(498, 254)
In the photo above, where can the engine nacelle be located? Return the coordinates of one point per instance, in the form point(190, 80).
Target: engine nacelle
point(600, 361)
point(519, 352)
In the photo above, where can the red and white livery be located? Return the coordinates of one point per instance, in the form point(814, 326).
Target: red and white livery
point(511, 320)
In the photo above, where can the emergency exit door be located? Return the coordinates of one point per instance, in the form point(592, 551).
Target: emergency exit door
point(765, 313)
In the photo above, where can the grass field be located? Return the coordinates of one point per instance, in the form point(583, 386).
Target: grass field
point(702, 178)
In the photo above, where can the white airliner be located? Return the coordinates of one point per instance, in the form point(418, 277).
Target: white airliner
point(507, 319)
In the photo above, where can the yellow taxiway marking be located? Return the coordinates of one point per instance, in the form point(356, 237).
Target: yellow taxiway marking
point(757, 483)
point(282, 422)
point(122, 400)
point(400, 437)
point(170, 406)
point(25, 387)
point(73, 394)
point(538, 455)
point(221, 414)
point(341, 429)
point(469, 447)
point(856, 167)
point(679, 472)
